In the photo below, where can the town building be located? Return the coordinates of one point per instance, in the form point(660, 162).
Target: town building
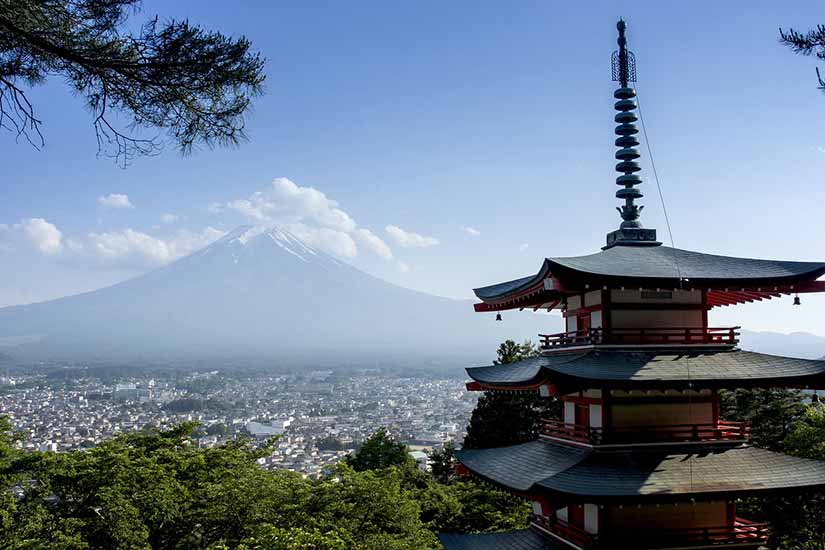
point(640, 458)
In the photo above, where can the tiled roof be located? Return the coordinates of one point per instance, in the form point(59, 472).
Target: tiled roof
point(639, 264)
point(544, 466)
point(525, 539)
point(519, 467)
point(659, 262)
point(647, 368)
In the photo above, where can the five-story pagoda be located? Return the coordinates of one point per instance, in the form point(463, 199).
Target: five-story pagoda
point(641, 458)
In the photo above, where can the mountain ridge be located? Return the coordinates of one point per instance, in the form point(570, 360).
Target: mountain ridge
point(260, 292)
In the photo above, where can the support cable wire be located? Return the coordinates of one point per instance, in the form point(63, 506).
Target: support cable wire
point(675, 262)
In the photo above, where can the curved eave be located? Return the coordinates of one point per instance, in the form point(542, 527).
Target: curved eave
point(573, 371)
point(735, 280)
point(664, 265)
point(568, 473)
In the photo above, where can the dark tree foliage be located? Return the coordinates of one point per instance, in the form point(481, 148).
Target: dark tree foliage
point(773, 412)
point(197, 84)
point(806, 43)
point(329, 443)
point(156, 490)
point(442, 463)
point(501, 419)
point(784, 423)
point(380, 450)
point(159, 491)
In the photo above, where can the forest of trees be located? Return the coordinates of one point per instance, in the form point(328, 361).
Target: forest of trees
point(157, 490)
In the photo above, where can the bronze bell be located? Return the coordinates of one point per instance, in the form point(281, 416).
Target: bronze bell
point(797, 301)
point(498, 316)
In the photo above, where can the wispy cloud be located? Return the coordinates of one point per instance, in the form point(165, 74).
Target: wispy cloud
point(471, 231)
point(115, 201)
point(409, 239)
point(522, 247)
point(133, 248)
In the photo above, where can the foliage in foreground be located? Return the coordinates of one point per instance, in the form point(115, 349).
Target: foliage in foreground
point(157, 490)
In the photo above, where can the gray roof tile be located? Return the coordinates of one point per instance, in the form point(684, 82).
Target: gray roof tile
point(712, 367)
point(544, 466)
point(658, 263)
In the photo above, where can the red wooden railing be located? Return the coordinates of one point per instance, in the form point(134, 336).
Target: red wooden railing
point(643, 336)
point(575, 432)
point(742, 531)
point(565, 530)
point(666, 433)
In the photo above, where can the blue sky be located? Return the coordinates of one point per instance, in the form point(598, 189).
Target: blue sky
point(436, 117)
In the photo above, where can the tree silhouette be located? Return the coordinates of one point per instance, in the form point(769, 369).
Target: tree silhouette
point(810, 42)
point(196, 84)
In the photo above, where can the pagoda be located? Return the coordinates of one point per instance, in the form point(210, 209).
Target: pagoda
point(641, 458)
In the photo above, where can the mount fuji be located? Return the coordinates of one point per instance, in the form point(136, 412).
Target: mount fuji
point(260, 294)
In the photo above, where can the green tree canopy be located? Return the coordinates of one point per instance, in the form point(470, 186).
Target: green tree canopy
point(783, 423)
point(195, 83)
point(807, 439)
point(772, 412)
point(380, 450)
point(157, 490)
point(442, 463)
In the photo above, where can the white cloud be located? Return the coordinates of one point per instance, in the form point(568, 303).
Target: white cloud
point(311, 216)
point(523, 247)
point(115, 200)
point(136, 248)
point(471, 231)
point(169, 218)
point(214, 208)
point(374, 243)
point(44, 235)
point(408, 239)
point(403, 267)
point(328, 240)
point(286, 202)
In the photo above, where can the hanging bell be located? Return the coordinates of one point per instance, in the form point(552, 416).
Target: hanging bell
point(498, 316)
point(815, 399)
point(797, 301)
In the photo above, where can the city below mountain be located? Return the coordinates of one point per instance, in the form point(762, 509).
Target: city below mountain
point(261, 294)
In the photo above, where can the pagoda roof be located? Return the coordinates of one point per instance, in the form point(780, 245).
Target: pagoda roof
point(576, 370)
point(544, 467)
point(523, 539)
point(657, 266)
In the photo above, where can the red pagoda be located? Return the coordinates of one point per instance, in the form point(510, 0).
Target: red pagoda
point(641, 458)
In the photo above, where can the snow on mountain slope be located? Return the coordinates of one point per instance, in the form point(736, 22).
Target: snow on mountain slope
point(262, 293)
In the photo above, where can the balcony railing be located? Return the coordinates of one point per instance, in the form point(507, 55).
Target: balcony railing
point(565, 530)
point(727, 336)
point(666, 433)
point(741, 532)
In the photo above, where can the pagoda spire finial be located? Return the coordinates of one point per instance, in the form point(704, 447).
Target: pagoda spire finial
point(630, 231)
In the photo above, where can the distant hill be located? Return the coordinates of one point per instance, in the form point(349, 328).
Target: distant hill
point(265, 295)
point(796, 344)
